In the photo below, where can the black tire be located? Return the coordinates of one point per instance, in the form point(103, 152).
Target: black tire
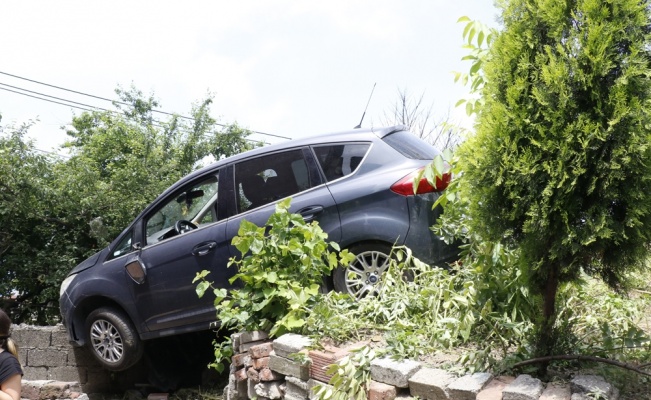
point(112, 339)
point(363, 276)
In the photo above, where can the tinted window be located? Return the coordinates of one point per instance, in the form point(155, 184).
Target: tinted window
point(339, 160)
point(410, 146)
point(265, 179)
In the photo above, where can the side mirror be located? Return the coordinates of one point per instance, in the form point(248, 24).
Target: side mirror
point(136, 271)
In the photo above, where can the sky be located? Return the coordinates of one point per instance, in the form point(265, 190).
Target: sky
point(285, 67)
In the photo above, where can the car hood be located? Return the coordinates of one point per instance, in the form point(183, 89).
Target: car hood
point(89, 262)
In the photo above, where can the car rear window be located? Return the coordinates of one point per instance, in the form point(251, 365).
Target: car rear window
point(410, 146)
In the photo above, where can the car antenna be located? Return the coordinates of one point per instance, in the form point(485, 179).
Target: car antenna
point(364, 113)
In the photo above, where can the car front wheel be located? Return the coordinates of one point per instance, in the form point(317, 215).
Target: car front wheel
point(363, 276)
point(112, 339)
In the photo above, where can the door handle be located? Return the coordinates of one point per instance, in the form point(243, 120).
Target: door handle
point(310, 212)
point(203, 248)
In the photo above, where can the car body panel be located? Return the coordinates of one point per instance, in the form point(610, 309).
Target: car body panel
point(354, 206)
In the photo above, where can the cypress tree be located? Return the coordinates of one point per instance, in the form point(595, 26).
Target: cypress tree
point(560, 164)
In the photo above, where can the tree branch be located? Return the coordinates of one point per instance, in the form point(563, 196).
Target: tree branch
point(630, 367)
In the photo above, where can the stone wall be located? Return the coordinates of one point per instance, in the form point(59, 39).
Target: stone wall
point(266, 369)
point(46, 355)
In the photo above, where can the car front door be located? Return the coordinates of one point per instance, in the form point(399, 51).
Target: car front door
point(173, 253)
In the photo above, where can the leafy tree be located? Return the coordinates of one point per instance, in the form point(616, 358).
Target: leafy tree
point(560, 166)
point(121, 162)
point(29, 228)
point(54, 212)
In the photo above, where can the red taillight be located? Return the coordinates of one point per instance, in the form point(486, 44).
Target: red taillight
point(405, 186)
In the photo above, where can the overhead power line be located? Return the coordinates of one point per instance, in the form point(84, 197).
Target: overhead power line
point(40, 98)
point(78, 105)
point(104, 99)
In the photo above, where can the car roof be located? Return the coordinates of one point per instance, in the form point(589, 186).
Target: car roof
point(350, 135)
point(355, 134)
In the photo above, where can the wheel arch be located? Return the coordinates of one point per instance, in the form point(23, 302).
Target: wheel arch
point(84, 308)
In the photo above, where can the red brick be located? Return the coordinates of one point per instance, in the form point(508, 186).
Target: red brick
point(261, 350)
point(381, 391)
point(260, 363)
point(240, 374)
point(253, 375)
point(239, 360)
point(321, 360)
point(494, 388)
point(267, 375)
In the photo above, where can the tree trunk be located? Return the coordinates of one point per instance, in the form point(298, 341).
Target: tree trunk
point(546, 335)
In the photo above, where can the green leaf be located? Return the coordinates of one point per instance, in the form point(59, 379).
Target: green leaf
point(200, 275)
point(201, 288)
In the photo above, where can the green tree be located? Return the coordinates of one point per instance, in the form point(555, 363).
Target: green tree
point(54, 212)
point(121, 162)
point(29, 227)
point(560, 165)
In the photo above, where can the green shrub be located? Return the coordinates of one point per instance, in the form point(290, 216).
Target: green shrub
point(281, 270)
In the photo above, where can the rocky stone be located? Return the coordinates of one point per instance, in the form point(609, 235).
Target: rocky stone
point(467, 387)
point(290, 343)
point(296, 388)
point(314, 386)
point(392, 372)
point(289, 367)
point(591, 384)
point(244, 347)
point(524, 387)
point(255, 336)
point(430, 383)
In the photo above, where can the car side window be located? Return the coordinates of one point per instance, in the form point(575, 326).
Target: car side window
point(123, 247)
point(339, 160)
point(268, 178)
point(196, 203)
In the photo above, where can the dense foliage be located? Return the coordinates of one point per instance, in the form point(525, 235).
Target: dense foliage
point(281, 272)
point(56, 211)
point(560, 165)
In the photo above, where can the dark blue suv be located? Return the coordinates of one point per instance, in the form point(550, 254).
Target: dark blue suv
point(357, 184)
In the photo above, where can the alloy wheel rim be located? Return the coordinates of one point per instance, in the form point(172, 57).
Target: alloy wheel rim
point(364, 274)
point(106, 341)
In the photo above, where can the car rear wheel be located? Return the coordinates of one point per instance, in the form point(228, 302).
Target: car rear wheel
point(363, 276)
point(112, 339)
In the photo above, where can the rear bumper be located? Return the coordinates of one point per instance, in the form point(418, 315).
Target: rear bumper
point(424, 244)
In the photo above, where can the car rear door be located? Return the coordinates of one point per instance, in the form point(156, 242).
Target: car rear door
point(292, 173)
point(167, 300)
